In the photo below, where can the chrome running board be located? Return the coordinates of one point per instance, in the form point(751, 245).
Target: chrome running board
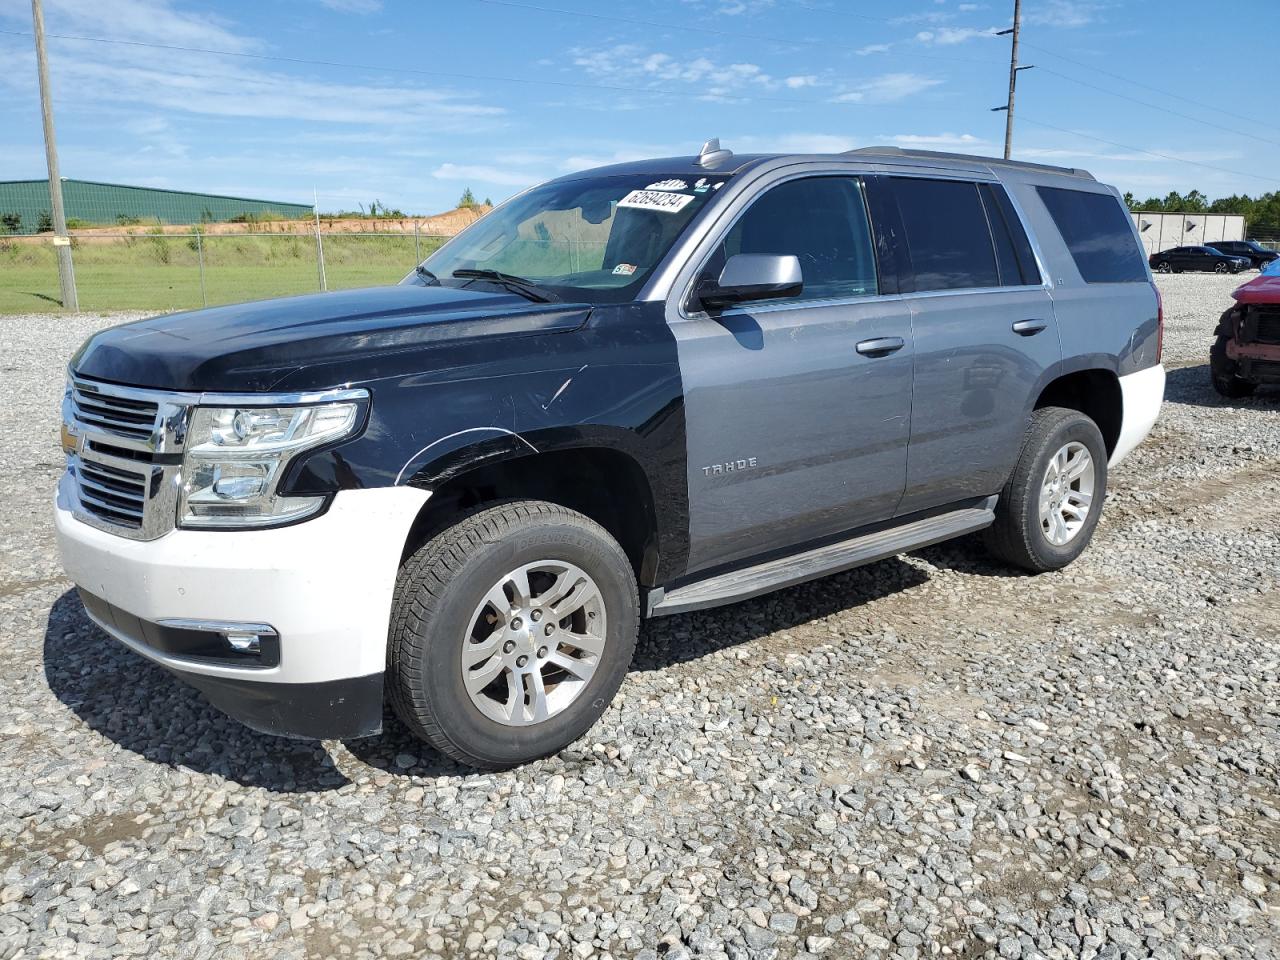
point(820, 562)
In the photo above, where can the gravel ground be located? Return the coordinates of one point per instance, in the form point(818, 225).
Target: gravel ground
point(927, 756)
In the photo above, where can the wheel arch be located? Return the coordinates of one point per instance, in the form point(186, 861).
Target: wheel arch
point(591, 472)
point(1093, 391)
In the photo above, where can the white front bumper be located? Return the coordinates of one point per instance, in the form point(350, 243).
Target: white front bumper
point(325, 585)
point(1142, 394)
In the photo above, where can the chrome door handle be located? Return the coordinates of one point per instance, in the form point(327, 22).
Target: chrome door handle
point(880, 346)
point(1029, 328)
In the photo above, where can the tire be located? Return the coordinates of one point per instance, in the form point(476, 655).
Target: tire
point(1222, 267)
point(443, 603)
point(1224, 370)
point(1164, 267)
point(1018, 535)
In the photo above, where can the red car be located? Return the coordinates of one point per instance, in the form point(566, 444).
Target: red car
point(1246, 352)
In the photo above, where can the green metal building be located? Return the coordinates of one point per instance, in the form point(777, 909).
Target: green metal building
point(24, 205)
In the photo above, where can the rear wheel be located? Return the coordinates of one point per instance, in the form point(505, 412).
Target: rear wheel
point(1051, 503)
point(1225, 371)
point(1164, 267)
point(511, 632)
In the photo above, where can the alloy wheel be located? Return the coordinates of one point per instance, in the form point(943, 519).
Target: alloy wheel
point(534, 642)
point(1066, 493)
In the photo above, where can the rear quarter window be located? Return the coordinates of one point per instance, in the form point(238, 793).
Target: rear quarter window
point(1099, 234)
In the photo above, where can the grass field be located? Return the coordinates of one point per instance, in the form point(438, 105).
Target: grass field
point(152, 272)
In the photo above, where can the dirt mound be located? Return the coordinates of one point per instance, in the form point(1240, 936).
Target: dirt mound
point(445, 224)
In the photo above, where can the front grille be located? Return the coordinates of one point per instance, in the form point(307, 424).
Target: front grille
point(127, 451)
point(1263, 324)
point(1261, 371)
point(115, 495)
point(123, 416)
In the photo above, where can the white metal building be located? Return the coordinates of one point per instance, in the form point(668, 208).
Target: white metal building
point(1160, 231)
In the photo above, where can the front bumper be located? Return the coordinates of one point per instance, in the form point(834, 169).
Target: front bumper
point(324, 587)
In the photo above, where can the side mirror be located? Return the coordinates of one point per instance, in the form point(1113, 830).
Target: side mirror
point(753, 276)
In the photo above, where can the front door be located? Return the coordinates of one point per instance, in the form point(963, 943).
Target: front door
point(794, 434)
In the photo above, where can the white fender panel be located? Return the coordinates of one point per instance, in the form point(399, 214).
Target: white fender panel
point(1142, 395)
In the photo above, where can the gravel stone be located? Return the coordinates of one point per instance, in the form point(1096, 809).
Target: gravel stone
point(929, 756)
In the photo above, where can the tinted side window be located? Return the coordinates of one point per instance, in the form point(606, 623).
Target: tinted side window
point(1099, 234)
point(823, 222)
point(947, 234)
point(1007, 216)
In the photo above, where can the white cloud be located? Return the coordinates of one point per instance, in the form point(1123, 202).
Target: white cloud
point(938, 141)
point(732, 8)
point(153, 21)
point(874, 48)
point(888, 88)
point(791, 143)
point(353, 6)
point(108, 77)
point(499, 176)
point(797, 83)
point(950, 36)
point(1064, 13)
point(634, 65)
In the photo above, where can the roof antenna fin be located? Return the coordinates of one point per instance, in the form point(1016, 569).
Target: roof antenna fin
point(712, 155)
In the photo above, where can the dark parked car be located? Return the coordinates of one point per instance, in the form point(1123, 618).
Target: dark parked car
point(1258, 255)
point(640, 390)
point(1197, 258)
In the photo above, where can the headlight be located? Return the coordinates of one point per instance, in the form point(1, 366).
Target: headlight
point(236, 456)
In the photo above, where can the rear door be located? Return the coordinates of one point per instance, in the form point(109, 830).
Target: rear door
point(985, 335)
point(793, 433)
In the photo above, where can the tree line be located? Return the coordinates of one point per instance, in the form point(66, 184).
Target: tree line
point(1262, 214)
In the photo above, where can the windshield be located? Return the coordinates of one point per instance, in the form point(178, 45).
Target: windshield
point(595, 240)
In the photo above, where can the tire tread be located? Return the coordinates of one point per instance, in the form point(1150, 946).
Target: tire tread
point(1009, 538)
point(424, 579)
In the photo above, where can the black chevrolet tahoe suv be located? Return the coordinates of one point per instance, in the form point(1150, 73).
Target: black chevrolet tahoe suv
point(640, 390)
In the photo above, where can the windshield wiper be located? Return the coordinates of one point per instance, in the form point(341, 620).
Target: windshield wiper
point(427, 275)
point(526, 288)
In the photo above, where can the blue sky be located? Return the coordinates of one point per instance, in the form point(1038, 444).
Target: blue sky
point(427, 98)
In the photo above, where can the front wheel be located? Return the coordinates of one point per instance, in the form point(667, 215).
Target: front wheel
point(1223, 370)
point(1051, 503)
point(1165, 267)
point(511, 632)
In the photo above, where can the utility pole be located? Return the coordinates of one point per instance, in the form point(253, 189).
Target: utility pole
point(61, 242)
point(1014, 70)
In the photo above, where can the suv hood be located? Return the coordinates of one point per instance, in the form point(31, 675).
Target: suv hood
point(253, 346)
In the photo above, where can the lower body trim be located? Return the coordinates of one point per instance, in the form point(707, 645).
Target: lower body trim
point(822, 561)
point(327, 710)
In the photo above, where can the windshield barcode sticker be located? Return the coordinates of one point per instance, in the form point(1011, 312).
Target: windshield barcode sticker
point(656, 200)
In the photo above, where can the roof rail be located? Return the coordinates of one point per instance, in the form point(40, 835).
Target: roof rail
point(970, 158)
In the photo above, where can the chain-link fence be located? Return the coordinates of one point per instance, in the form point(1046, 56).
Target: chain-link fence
point(151, 270)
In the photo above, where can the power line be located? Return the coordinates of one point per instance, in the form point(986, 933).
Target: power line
point(1151, 153)
point(713, 31)
point(1138, 83)
point(1156, 106)
point(615, 88)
